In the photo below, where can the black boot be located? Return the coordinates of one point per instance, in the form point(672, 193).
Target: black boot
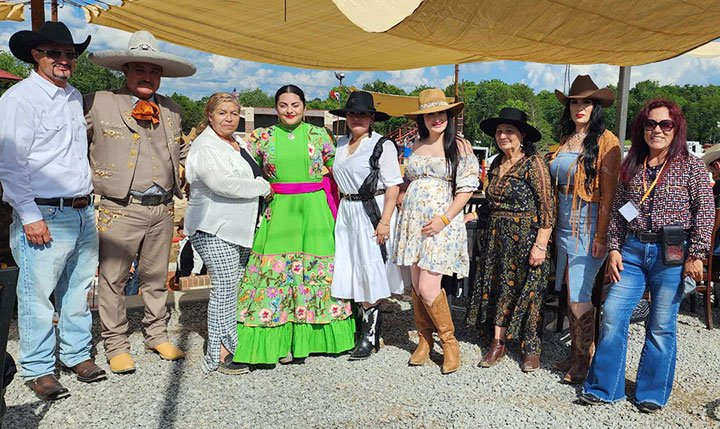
point(369, 333)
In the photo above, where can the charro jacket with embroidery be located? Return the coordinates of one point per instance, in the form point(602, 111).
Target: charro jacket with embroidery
point(114, 137)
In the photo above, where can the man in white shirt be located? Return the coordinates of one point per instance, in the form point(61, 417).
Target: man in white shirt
point(45, 175)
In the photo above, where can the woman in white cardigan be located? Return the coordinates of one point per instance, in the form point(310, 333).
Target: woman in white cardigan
point(225, 186)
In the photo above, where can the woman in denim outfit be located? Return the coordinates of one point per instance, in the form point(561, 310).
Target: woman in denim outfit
point(660, 185)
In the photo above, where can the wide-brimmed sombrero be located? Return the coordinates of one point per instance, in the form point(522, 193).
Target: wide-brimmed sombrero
point(143, 48)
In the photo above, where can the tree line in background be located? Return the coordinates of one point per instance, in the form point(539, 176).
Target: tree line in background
point(483, 99)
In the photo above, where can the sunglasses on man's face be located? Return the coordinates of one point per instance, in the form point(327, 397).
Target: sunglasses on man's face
point(666, 125)
point(55, 54)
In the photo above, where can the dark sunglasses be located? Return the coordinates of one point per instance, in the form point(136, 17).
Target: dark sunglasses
point(54, 54)
point(665, 125)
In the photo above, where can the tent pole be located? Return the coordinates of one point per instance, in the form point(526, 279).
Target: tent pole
point(37, 13)
point(54, 10)
point(622, 106)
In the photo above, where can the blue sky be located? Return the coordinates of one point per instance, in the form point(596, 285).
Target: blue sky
point(217, 73)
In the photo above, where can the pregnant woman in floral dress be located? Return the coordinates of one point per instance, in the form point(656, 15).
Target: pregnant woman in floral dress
point(431, 237)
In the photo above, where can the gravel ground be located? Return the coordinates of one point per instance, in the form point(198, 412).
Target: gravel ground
point(333, 392)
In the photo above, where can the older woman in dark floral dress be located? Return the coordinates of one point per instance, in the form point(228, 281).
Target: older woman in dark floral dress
point(507, 303)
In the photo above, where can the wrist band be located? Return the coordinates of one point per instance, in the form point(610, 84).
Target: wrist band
point(445, 219)
point(544, 249)
point(384, 223)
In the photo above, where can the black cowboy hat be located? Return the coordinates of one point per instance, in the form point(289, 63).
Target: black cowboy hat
point(512, 116)
point(23, 42)
point(361, 102)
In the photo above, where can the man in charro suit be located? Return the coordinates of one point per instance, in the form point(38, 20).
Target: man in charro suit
point(135, 155)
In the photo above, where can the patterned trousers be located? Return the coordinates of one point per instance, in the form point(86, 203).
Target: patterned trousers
point(225, 264)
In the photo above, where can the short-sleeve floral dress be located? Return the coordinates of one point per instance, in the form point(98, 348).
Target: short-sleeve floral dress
point(428, 195)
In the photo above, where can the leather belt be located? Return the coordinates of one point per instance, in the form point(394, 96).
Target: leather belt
point(358, 197)
point(145, 200)
point(651, 237)
point(566, 189)
point(74, 202)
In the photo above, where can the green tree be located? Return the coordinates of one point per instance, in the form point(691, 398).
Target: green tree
point(12, 65)
point(386, 88)
point(193, 112)
point(255, 98)
point(88, 77)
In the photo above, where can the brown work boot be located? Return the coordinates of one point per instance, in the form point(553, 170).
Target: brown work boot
point(425, 327)
point(442, 319)
point(495, 354)
point(585, 348)
point(87, 371)
point(565, 364)
point(47, 388)
point(530, 363)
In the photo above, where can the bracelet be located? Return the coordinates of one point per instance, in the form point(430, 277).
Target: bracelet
point(445, 219)
point(476, 215)
point(384, 223)
point(544, 249)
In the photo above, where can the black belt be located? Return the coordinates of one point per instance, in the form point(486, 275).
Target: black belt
point(358, 197)
point(651, 237)
point(74, 202)
point(145, 200)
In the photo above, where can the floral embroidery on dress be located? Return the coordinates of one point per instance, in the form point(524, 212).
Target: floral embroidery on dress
point(321, 149)
point(285, 281)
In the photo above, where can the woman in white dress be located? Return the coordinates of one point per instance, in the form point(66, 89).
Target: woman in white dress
point(367, 174)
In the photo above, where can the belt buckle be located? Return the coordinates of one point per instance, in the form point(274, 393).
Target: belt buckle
point(151, 200)
point(79, 202)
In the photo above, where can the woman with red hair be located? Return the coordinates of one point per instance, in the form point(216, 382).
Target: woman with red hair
point(658, 235)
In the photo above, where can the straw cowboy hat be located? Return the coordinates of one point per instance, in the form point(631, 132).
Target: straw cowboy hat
point(360, 102)
point(433, 100)
point(143, 48)
point(584, 87)
point(23, 42)
point(711, 154)
point(512, 116)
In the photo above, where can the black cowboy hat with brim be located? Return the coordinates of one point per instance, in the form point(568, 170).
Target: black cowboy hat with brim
point(515, 117)
point(23, 42)
point(361, 102)
point(584, 87)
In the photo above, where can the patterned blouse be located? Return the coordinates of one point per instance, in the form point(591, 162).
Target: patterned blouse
point(683, 196)
point(524, 191)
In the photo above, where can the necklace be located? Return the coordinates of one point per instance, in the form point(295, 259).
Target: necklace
point(575, 141)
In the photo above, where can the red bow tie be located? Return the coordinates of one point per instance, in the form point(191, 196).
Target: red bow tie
point(146, 111)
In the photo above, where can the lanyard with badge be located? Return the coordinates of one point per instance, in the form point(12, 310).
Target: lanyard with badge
point(630, 210)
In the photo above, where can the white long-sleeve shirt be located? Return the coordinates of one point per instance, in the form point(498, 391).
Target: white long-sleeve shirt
point(223, 192)
point(43, 145)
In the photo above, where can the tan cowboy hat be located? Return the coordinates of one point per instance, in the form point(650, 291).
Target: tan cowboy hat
point(711, 154)
point(584, 87)
point(143, 48)
point(433, 100)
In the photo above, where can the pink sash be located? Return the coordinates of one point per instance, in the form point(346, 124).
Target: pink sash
point(304, 188)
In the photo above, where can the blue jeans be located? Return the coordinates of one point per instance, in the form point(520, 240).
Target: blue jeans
point(66, 266)
point(643, 267)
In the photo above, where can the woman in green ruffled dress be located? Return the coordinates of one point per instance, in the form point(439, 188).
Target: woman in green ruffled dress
point(285, 310)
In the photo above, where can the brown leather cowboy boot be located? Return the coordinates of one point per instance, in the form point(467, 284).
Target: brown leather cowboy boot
point(584, 338)
point(442, 319)
point(425, 328)
point(565, 364)
point(495, 354)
